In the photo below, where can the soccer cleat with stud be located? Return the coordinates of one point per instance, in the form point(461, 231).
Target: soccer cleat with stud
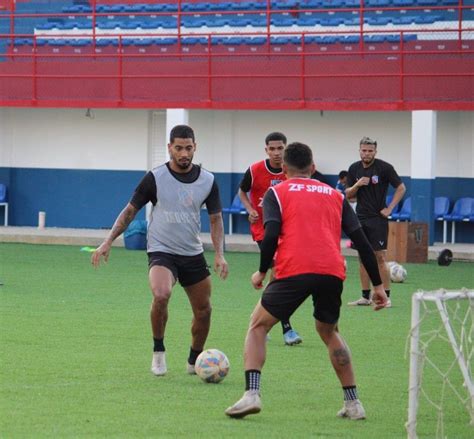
point(291, 338)
point(191, 369)
point(249, 404)
point(158, 364)
point(352, 410)
point(361, 302)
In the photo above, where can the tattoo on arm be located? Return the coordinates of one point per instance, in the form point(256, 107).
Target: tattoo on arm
point(122, 221)
point(341, 356)
point(217, 232)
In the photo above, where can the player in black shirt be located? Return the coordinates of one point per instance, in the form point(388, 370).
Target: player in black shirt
point(368, 181)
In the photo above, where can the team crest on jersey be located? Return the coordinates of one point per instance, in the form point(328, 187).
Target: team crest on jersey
point(275, 182)
point(375, 179)
point(185, 197)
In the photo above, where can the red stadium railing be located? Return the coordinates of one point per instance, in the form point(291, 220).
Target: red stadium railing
point(434, 71)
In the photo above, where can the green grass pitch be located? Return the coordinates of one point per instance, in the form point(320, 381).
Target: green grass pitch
point(76, 347)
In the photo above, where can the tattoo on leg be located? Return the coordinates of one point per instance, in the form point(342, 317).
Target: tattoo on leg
point(341, 356)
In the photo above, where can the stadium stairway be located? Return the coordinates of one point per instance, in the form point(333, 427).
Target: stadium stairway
point(233, 243)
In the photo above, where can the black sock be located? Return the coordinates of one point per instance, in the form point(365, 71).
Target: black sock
point(286, 326)
point(387, 292)
point(366, 294)
point(252, 379)
point(350, 393)
point(193, 355)
point(158, 345)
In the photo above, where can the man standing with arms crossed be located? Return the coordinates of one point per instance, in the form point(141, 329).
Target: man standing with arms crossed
point(177, 191)
point(256, 181)
point(368, 181)
point(303, 220)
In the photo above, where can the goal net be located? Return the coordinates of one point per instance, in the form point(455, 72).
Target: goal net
point(441, 389)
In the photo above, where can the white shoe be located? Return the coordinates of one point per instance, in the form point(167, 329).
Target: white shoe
point(249, 404)
point(389, 303)
point(352, 410)
point(361, 302)
point(190, 368)
point(158, 363)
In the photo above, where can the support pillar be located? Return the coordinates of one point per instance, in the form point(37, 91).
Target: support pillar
point(423, 172)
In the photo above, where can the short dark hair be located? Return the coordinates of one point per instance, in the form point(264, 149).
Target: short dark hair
point(367, 141)
point(276, 136)
point(298, 156)
point(343, 174)
point(181, 132)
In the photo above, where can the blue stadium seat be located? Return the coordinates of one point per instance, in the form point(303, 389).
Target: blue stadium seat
point(236, 208)
point(463, 211)
point(257, 41)
point(160, 7)
point(193, 22)
point(334, 22)
point(191, 41)
point(134, 8)
point(428, 2)
point(110, 8)
point(427, 19)
point(405, 212)
point(404, 3)
point(218, 22)
point(233, 41)
point(80, 43)
point(377, 3)
point(441, 208)
point(282, 21)
point(165, 41)
point(403, 20)
point(290, 4)
point(388, 200)
point(308, 20)
point(279, 40)
point(224, 6)
point(4, 202)
point(374, 38)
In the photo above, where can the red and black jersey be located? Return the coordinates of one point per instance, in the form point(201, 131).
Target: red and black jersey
point(262, 178)
point(310, 237)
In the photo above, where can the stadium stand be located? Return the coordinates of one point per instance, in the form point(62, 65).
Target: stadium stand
point(400, 39)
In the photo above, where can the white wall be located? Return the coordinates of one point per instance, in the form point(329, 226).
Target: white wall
point(228, 141)
point(65, 138)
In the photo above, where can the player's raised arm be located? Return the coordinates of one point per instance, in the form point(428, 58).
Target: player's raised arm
point(121, 223)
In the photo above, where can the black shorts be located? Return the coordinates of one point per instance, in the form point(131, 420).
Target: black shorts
point(188, 270)
point(376, 230)
point(282, 297)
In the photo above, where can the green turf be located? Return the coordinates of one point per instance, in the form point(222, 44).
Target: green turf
point(76, 349)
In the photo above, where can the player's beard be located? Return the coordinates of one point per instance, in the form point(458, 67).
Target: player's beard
point(183, 163)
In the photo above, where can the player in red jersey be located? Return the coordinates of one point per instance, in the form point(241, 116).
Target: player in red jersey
point(303, 219)
point(256, 181)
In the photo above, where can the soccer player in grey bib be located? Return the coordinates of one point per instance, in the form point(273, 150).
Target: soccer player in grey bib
point(178, 189)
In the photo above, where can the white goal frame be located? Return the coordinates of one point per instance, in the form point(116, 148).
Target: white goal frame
point(440, 298)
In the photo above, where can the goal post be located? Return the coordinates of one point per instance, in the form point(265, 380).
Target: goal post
point(446, 316)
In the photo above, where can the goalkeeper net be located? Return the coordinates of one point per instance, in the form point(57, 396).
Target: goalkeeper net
point(441, 389)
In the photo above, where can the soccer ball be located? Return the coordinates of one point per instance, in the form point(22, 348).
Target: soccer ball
point(212, 366)
point(398, 273)
point(390, 264)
